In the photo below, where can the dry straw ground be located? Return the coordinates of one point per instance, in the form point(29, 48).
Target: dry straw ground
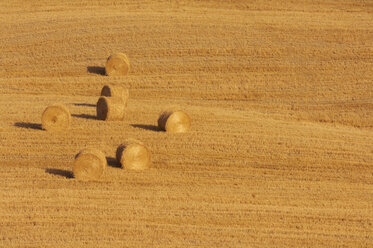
point(280, 153)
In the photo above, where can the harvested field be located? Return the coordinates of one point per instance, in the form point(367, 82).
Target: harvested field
point(280, 150)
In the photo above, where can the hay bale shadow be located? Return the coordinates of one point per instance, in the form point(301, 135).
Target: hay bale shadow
point(58, 172)
point(36, 126)
point(147, 127)
point(96, 70)
point(85, 104)
point(113, 162)
point(85, 116)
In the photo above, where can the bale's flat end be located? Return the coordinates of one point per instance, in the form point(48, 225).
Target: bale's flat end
point(133, 155)
point(56, 118)
point(89, 164)
point(117, 65)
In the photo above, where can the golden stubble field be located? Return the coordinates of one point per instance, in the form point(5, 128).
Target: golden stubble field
point(280, 153)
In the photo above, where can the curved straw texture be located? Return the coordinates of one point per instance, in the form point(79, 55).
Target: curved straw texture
point(55, 118)
point(133, 155)
point(115, 91)
point(110, 108)
point(117, 65)
point(174, 121)
point(89, 164)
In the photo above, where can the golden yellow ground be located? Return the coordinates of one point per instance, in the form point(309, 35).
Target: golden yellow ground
point(280, 153)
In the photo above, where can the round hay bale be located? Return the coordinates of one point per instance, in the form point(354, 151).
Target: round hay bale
point(174, 121)
point(110, 108)
point(89, 164)
point(56, 118)
point(133, 155)
point(115, 91)
point(117, 65)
